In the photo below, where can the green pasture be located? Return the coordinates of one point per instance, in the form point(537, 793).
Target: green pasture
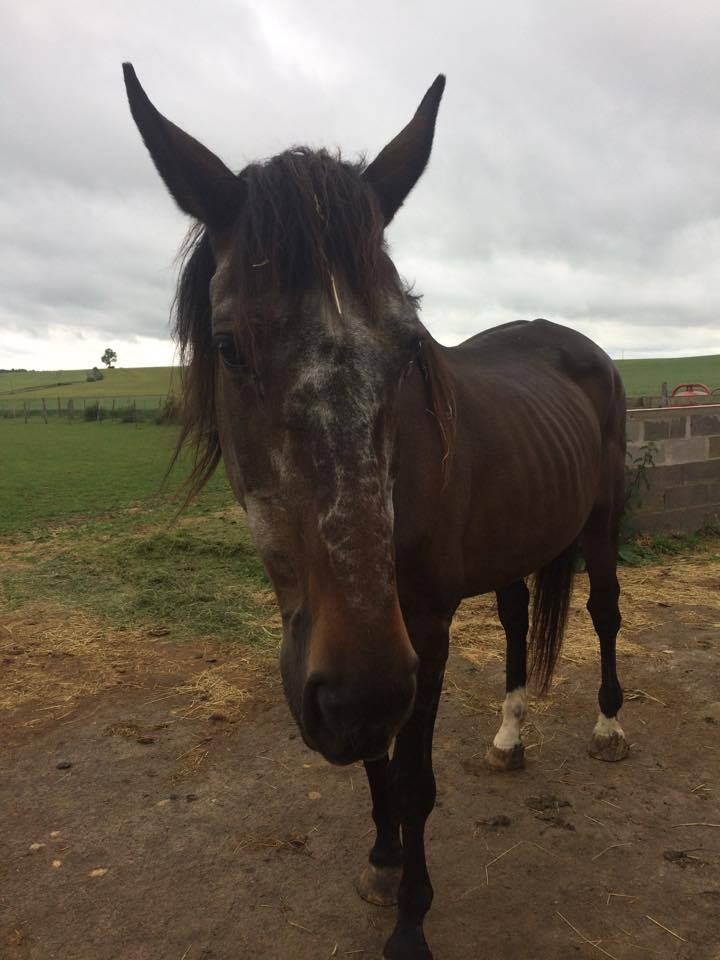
point(641, 378)
point(87, 520)
point(130, 382)
point(645, 377)
point(197, 576)
point(60, 469)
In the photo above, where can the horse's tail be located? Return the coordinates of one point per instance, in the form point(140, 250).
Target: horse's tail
point(552, 590)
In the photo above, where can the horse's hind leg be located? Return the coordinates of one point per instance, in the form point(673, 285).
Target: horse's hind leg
point(507, 751)
point(599, 546)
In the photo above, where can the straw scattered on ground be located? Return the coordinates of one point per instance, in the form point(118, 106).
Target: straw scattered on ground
point(53, 658)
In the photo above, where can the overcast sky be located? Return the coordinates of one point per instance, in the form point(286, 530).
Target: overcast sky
point(575, 173)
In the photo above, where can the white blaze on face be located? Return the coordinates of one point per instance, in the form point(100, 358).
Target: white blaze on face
point(337, 402)
point(328, 465)
point(514, 710)
point(607, 726)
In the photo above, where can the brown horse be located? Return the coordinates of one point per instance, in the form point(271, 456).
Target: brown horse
point(384, 476)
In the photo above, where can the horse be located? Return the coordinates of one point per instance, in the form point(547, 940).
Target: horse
point(386, 477)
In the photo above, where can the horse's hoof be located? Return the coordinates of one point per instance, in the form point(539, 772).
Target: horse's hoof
point(502, 760)
point(407, 944)
point(379, 885)
point(609, 748)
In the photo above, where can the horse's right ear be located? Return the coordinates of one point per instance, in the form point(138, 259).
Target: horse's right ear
point(199, 182)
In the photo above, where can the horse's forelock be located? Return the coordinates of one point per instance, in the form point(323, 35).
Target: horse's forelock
point(310, 222)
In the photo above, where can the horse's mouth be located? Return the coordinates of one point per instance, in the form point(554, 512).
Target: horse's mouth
point(344, 754)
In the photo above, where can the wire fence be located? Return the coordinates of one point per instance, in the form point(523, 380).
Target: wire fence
point(157, 409)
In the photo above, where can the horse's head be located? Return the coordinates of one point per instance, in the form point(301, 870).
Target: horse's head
point(297, 333)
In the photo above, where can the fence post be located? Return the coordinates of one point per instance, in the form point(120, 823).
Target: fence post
point(97, 411)
point(44, 410)
point(112, 410)
point(71, 408)
point(59, 408)
point(25, 409)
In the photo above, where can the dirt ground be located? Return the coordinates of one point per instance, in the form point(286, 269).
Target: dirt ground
point(158, 804)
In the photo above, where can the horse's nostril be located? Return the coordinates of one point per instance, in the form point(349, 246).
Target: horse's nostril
point(328, 704)
point(322, 709)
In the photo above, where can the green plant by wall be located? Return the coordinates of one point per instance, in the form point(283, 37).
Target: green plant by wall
point(637, 483)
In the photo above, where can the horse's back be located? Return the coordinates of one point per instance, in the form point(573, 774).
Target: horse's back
point(544, 359)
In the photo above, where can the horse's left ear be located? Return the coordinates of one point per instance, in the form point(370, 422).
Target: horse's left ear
point(397, 168)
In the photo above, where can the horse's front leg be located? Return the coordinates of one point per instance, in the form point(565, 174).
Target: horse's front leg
point(380, 880)
point(413, 789)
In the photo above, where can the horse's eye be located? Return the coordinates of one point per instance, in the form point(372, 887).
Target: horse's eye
point(227, 348)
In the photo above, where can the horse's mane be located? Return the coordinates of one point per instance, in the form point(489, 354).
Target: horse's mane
point(309, 220)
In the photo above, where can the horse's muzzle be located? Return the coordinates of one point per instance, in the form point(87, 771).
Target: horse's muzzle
point(355, 718)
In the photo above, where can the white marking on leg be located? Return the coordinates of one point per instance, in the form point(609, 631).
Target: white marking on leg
point(514, 710)
point(607, 726)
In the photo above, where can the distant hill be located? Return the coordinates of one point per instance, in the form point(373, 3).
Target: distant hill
point(645, 377)
point(641, 377)
point(120, 382)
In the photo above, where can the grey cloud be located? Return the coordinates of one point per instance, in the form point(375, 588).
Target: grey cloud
point(574, 173)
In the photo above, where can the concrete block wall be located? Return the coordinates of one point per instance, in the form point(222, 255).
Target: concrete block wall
point(684, 492)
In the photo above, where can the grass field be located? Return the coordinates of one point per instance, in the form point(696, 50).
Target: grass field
point(641, 377)
point(644, 377)
point(197, 575)
point(56, 470)
point(131, 382)
point(87, 521)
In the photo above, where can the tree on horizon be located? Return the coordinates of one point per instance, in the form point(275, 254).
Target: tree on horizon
point(109, 358)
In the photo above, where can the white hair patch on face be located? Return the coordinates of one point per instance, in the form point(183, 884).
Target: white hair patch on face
point(281, 462)
point(260, 524)
point(313, 373)
point(514, 710)
point(328, 445)
point(222, 296)
point(334, 405)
